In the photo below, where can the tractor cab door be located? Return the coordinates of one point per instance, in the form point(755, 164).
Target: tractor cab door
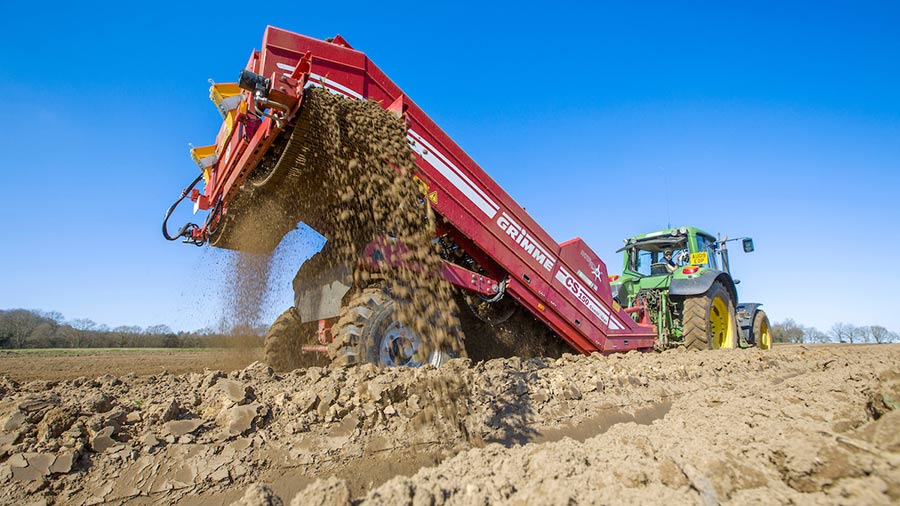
point(704, 255)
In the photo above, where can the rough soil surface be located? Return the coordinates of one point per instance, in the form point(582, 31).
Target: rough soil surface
point(792, 425)
point(58, 366)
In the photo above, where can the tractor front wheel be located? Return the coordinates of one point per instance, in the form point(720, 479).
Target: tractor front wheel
point(368, 331)
point(708, 320)
point(761, 335)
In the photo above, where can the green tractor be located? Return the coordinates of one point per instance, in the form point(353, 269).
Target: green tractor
point(679, 280)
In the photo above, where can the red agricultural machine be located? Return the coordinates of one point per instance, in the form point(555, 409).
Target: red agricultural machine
point(564, 286)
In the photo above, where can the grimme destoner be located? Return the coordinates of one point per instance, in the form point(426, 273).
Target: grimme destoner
point(262, 172)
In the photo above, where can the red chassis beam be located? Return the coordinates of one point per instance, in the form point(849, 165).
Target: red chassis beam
point(382, 254)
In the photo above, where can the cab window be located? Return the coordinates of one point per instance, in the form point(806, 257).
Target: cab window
point(641, 260)
point(707, 245)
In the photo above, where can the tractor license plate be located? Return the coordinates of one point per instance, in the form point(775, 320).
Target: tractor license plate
point(699, 258)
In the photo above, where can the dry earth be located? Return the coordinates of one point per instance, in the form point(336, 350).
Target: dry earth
point(60, 364)
point(794, 425)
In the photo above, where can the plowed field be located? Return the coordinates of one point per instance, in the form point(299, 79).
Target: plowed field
point(794, 425)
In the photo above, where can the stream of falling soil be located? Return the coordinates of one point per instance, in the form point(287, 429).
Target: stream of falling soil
point(352, 181)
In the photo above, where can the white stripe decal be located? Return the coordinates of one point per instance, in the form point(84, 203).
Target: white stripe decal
point(335, 85)
point(455, 169)
point(313, 84)
point(585, 297)
point(331, 89)
point(321, 82)
point(462, 183)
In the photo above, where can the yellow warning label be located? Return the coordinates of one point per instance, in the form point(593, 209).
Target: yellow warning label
point(699, 258)
point(433, 197)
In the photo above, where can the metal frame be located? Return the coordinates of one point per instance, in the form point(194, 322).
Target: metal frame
point(564, 285)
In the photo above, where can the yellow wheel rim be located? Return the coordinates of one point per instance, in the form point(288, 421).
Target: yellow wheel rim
point(720, 324)
point(765, 341)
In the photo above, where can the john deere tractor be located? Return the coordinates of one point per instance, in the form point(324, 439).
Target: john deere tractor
point(679, 280)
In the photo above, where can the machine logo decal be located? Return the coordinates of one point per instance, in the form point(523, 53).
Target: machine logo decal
point(585, 297)
point(595, 269)
point(526, 241)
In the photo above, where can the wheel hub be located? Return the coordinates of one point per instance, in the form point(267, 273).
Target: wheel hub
point(764, 337)
point(400, 346)
point(720, 324)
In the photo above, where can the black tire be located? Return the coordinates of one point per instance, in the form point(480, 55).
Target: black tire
point(368, 332)
point(703, 317)
point(761, 336)
point(285, 340)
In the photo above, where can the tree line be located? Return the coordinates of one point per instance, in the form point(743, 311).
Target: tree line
point(26, 328)
point(789, 331)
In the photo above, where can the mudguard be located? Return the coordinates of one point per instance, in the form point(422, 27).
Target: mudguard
point(702, 283)
point(320, 286)
point(744, 313)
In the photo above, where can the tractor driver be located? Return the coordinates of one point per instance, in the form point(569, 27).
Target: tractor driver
point(667, 258)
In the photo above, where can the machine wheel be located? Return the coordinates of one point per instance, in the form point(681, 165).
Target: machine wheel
point(285, 339)
point(708, 320)
point(761, 335)
point(369, 332)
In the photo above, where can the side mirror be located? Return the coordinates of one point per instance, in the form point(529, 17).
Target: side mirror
point(748, 245)
point(737, 281)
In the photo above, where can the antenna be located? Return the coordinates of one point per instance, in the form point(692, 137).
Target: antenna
point(666, 182)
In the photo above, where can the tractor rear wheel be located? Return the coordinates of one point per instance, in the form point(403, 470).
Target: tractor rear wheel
point(761, 335)
point(708, 320)
point(285, 340)
point(368, 332)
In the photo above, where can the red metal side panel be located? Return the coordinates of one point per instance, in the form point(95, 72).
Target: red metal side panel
point(544, 277)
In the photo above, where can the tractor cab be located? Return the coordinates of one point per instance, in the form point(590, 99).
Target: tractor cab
point(652, 260)
point(658, 258)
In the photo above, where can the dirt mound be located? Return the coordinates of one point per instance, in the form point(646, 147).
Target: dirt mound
point(790, 425)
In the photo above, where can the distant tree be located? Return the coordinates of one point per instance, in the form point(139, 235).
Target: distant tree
point(42, 336)
point(787, 331)
point(16, 327)
point(67, 337)
point(84, 324)
point(860, 334)
point(127, 329)
point(844, 333)
point(814, 335)
point(170, 340)
point(158, 329)
point(52, 315)
point(23, 328)
point(881, 335)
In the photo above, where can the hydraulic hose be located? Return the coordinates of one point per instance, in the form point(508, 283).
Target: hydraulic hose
point(186, 229)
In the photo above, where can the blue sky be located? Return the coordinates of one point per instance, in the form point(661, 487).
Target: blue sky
point(778, 121)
